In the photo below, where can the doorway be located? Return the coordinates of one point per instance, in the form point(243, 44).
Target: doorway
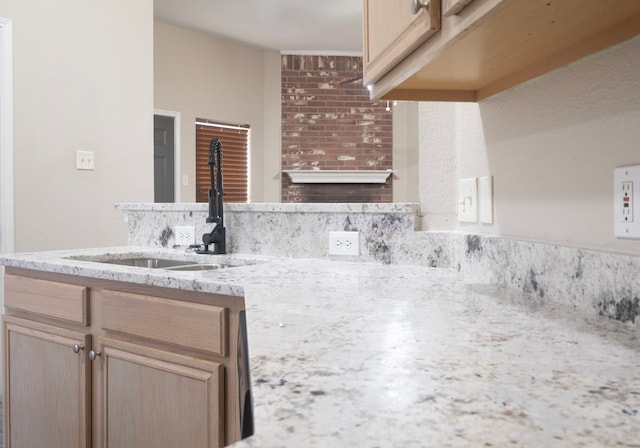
point(166, 157)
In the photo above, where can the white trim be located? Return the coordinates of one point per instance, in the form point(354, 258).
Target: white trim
point(6, 152)
point(224, 126)
point(6, 135)
point(177, 172)
point(339, 176)
point(321, 53)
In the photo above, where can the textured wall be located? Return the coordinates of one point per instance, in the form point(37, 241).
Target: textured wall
point(83, 80)
point(330, 124)
point(551, 145)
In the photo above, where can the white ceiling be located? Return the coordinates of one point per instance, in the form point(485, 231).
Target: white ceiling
point(296, 26)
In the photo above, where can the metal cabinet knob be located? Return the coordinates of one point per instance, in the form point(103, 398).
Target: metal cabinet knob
point(77, 348)
point(93, 355)
point(417, 5)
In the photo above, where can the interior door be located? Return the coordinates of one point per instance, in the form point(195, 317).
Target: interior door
point(163, 159)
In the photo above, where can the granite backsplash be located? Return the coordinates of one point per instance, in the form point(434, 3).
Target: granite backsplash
point(589, 281)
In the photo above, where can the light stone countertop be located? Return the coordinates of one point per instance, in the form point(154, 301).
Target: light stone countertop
point(369, 355)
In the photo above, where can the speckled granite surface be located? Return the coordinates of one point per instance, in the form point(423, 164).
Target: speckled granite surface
point(593, 282)
point(373, 355)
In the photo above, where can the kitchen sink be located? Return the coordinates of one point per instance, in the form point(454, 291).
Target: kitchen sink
point(152, 262)
point(164, 263)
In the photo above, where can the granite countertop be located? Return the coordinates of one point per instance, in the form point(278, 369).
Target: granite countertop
point(369, 355)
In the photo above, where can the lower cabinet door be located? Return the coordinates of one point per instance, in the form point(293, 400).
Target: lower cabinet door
point(156, 399)
point(47, 386)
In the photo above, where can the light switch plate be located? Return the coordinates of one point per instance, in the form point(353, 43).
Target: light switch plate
point(626, 201)
point(468, 200)
point(485, 199)
point(85, 160)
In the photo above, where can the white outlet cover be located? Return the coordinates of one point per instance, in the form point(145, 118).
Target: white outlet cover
point(468, 200)
point(622, 225)
point(485, 199)
point(344, 243)
point(185, 235)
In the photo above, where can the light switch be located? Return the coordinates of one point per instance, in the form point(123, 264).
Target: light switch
point(468, 200)
point(485, 198)
point(85, 160)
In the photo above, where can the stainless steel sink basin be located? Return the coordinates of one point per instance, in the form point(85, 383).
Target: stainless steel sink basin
point(163, 263)
point(152, 262)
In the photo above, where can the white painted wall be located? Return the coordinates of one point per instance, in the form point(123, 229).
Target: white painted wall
point(405, 152)
point(202, 76)
point(83, 80)
point(551, 145)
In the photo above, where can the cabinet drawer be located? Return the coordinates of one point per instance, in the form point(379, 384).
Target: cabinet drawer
point(47, 298)
point(192, 325)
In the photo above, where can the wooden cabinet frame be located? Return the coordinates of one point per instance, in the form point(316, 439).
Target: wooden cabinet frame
point(492, 45)
point(46, 350)
point(204, 357)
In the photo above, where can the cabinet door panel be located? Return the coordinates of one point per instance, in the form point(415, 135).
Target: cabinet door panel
point(397, 33)
point(153, 399)
point(46, 387)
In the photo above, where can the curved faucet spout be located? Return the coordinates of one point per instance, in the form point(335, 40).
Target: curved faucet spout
point(217, 236)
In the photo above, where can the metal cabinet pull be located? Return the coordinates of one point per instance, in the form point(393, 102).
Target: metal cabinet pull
point(77, 348)
point(417, 5)
point(93, 355)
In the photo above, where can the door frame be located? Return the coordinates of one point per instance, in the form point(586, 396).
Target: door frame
point(6, 135)
point(176, 149)
point(6, 156)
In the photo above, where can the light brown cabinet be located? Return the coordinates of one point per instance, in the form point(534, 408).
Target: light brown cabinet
point(396, 30)
point(47, 394)
point(154, 398)
point(101, 364)
point(486, 46)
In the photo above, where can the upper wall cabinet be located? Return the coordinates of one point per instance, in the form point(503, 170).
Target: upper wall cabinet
point(393, 29)
point(482, 47)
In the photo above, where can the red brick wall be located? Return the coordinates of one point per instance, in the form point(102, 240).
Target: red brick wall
point(332, 125)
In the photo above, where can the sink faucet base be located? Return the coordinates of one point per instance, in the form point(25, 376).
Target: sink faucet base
point(217, 237)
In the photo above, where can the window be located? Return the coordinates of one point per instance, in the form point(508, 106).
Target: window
point(235, 159)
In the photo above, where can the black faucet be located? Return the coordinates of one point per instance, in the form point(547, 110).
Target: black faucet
point(217, 236)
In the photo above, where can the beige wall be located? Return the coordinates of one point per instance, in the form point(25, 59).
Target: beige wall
point(83, 79)
point(201, 76)
point(551, 145)
point(405, 152)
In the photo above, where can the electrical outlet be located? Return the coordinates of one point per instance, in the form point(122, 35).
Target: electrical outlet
point(85, 160)
point(626, 212)
point(468, 200)
point(627, 201)
point(344, 243)
point(185, 235)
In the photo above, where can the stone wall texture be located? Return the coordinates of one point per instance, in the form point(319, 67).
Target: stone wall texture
point(329, 123)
